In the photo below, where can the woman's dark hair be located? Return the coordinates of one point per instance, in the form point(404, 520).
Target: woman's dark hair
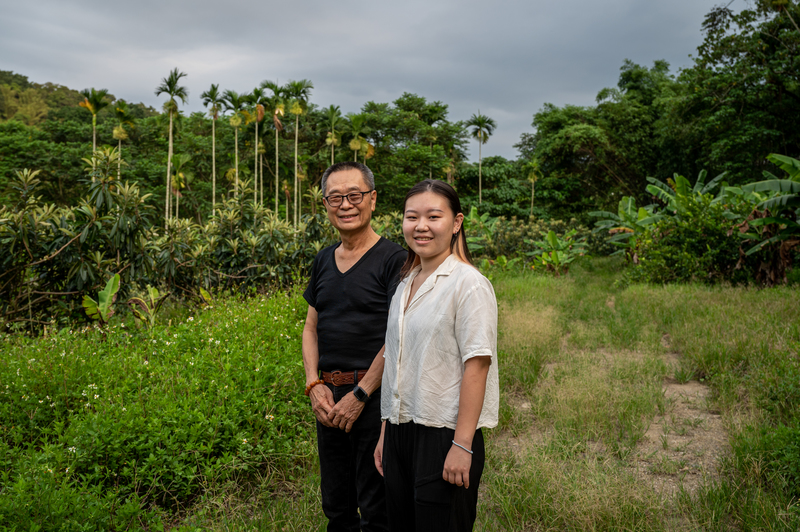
point(458, 244)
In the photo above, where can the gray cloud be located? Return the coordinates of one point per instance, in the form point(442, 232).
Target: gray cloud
point(505, 58)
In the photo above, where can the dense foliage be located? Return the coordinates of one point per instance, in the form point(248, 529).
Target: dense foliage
point(119, 429)
point(53, 256)
point(734, 106)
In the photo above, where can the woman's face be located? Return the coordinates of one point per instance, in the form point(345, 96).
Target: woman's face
point(429, 225)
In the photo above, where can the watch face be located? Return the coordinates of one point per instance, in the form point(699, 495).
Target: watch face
point(360, 394)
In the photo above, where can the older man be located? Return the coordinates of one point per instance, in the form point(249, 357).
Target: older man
point(349, 292)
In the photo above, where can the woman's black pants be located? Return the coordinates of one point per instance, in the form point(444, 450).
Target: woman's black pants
point(418, 499)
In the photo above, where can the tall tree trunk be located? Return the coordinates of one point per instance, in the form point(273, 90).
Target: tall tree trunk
point(480, 174)
point(296, 137)
point(169, 171)
point(94, 143)
point(236, 162)
point(261, 174)
point(533, 189)
point(255, 166)
point(119, 160)
point(276, 170)
point(177, 203)
point(213, 167)
point(355, 155)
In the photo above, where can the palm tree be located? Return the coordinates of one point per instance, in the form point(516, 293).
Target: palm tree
point(437, 112)
point(121, 111)
point(235, 102)
point(334, 119)
point(213, 98)
point(94, 101)
point(170, 85)
point(534, 173)
point(299, 92)
point(482, 128)
point(257, 98)
point(277, 108)
point(357, 128)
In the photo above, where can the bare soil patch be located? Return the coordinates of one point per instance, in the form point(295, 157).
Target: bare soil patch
point(682, 446)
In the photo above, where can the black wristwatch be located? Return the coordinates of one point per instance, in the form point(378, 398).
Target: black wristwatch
point(360, 394)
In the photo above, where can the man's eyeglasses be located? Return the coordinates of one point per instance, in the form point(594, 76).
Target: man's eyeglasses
point(354, 198)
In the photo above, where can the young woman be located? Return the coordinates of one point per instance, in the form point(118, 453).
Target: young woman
point(440, 384)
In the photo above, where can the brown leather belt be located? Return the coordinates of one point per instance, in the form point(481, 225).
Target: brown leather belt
point(341, 378)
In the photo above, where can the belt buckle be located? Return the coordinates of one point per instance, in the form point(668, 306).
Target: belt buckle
point(335, 377)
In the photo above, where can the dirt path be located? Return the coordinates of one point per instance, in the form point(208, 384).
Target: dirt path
point(683, 445)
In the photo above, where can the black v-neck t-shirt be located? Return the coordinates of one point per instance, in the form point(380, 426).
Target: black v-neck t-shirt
point(353, 306)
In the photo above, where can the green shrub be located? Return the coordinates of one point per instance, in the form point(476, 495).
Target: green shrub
point(101, 428)
point(50, 257)
point(695, 246)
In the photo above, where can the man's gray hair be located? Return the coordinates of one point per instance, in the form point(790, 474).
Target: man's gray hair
point(366, 173)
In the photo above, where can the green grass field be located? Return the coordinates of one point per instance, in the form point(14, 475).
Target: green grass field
point(637, 408)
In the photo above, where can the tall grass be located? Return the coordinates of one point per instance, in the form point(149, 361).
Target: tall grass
point(583, 363)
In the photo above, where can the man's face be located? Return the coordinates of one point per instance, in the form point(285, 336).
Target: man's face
point(348, 217)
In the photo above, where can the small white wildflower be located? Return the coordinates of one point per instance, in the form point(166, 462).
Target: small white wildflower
point(72, 449)
point(124, 409)
point(96, 396)
point(244, 440)
point(190, 319)
point(41, 401)
point(175, 336)
point(146, 362)
point(66, 470)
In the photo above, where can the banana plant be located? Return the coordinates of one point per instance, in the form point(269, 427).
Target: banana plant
point(775, 220)
point(678, 192)
point(480, 227)
point(556, 254)
point(628, 223)
point(103, 308)
point(146, 309)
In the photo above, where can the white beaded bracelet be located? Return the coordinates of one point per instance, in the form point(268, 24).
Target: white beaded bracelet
point(461, 446)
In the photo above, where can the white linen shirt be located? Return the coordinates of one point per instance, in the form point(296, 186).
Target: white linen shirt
point(452, 318)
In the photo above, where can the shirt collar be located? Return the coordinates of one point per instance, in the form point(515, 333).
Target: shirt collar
point(445, 268)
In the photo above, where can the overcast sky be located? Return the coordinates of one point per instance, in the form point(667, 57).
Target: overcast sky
point(506, 58)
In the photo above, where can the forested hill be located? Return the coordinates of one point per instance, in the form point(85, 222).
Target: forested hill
point(737, 103)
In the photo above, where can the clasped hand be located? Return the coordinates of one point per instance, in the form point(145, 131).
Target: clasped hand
point(339, 415)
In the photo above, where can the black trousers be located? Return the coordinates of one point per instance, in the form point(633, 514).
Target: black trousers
point(350, 481)
point(418, 498)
